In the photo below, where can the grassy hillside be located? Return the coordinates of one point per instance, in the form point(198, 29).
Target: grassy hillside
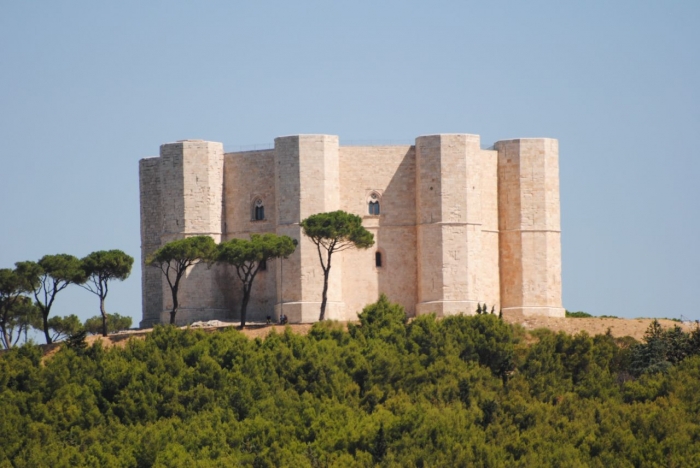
point(463, 391)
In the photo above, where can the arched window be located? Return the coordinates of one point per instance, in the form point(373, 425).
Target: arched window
point(374, 204)
point(378, 259)
point(258, 210)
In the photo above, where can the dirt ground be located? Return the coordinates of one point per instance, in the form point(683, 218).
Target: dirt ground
point(619, 327)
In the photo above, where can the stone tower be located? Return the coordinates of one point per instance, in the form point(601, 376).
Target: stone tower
point(181, 196)
point(307, 181)
point(529, 225)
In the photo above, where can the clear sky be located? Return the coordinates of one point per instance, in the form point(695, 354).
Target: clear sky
point(89, 88)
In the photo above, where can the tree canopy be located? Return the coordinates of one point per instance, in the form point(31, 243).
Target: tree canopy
point(247, 257)
point(115, 323)
point(461, 391)
point(175, 257)
point(100, 268)
point(50, 275)
point(13, 305)
point(64, 327)
point(334, 232)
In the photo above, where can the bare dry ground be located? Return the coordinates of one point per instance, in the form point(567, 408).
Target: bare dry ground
point(619, 327)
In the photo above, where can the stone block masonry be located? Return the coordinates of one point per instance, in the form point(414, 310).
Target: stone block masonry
point(456, 225)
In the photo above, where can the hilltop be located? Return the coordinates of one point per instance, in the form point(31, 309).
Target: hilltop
point(619, 327)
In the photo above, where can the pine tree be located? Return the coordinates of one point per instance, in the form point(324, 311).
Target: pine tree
point(77, 342)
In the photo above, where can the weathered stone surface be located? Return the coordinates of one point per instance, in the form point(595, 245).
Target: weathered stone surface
point(458, 225)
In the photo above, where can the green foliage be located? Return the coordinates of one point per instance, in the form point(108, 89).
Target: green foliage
point(662, 348)
point(13, 306)
point(383, 319)
point(334, 232)
point(247, 257)
point(63, 327)
point(175, 257)
point(99, 269)
point(183, 252)
point(337, 230)
point(106, 265)
point(461, 391)
point(77, 342)
point(17, 318)
point(578, 314)
point(115, 323)
point(50, 275)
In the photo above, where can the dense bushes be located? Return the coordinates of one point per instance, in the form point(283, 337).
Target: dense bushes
point(463, 391)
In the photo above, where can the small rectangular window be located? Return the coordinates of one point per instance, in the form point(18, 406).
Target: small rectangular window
point(263, 265)
point(378, 259)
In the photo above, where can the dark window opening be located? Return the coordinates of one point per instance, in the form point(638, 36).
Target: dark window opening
point(374, 208)
point(259, 213)
point(378, 259)
point(263, 265)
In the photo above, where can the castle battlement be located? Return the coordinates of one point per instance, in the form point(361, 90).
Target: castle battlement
point(455, 225)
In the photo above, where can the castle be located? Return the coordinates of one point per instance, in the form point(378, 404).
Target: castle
point(454, 225)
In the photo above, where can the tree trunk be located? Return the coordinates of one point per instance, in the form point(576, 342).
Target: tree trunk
point(45, 317)
point(244, 304)
point(6, 337)
point(175, 304)
point(104, 316)
point(324, 297)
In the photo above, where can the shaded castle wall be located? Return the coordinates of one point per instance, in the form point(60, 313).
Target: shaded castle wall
point(247, 178)
point(390, 172)
point(151, 229)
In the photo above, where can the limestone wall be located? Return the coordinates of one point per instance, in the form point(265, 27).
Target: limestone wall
point(151, 229)
point(191, 187)
point(529, 223)
point(247, 178)
point(452, 273)
point(489, 274)
point(458, 225)
point(306, 182)
point(388, 172)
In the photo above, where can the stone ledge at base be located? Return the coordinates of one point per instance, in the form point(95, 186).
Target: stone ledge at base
point(559, 312)
point(308, 312)
point(445, 308)
point(185, 316)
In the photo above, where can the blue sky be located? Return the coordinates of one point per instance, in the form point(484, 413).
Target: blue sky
point(89, 88)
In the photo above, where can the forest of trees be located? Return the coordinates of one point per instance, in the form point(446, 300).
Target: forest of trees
point(460, 391)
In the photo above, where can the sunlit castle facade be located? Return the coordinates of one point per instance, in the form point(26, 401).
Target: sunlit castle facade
point(454, 225)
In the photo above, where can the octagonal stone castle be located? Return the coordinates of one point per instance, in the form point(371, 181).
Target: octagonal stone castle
point(454, 225)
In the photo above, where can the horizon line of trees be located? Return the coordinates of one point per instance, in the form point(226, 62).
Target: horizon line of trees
point(460, 391)
point(28, 292)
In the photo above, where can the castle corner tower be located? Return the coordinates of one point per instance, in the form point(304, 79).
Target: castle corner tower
point(529, 225)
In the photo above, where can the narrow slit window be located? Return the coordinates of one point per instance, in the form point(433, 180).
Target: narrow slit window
point(258, 210)
point(378, 259)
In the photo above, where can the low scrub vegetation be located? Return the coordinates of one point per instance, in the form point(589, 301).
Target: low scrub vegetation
point(462, 391)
